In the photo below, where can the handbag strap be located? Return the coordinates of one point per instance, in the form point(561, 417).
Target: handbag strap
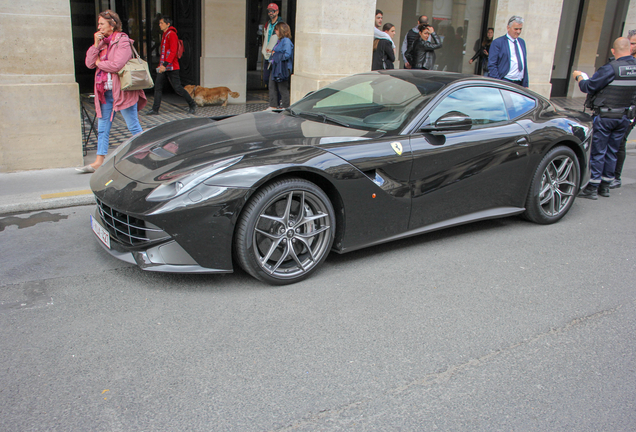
point(134, 51)
point(136, 54)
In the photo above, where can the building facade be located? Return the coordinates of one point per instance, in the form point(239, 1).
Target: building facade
point(44, 42)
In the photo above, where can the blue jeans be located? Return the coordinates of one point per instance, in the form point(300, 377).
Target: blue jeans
point(606, 139)
point(104, 123)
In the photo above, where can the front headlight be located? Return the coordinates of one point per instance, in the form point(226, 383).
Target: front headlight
point(189, 180)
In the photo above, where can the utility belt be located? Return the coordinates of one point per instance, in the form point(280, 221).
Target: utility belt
point(616, 113)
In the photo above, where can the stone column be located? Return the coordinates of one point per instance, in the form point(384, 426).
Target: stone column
point(630, 19)
point(223, 62)
point(540, 31)
point(332, 41)
point(40, 123)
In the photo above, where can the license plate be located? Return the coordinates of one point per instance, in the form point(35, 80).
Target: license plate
point(100, 232)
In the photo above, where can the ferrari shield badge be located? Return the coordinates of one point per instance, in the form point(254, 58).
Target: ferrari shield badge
point(397, 147)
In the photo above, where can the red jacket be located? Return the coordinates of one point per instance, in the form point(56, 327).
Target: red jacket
point(169, 45)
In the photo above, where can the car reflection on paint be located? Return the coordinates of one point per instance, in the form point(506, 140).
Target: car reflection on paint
point(368, 159)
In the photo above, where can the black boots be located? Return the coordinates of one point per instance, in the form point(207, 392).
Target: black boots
point(603, 189)
point(592, 192)
point(588, 192)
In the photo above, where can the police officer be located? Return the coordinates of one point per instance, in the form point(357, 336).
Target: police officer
point(620, 156)
point(612, 89)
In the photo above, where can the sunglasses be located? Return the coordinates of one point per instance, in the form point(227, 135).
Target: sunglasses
point(271, 11)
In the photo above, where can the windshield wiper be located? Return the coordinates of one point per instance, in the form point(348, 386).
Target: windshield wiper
point(324, 117)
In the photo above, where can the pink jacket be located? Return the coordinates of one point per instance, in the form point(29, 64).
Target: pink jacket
point(119, 53)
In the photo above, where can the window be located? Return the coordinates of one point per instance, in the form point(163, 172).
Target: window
point(484, 105)
point(358, 94)
point(517, 104)
point(371, 101)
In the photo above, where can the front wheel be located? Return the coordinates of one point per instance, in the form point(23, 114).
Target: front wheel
point(285, 231)
point(554, 186)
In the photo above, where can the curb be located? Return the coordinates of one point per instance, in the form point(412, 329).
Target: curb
point(40, 204)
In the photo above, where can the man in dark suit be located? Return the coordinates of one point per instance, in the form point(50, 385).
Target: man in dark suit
point(508, 59)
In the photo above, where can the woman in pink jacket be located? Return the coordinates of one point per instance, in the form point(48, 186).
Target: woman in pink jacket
point(109, 54)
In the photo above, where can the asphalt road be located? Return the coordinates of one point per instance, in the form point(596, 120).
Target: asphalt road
point(498, 325)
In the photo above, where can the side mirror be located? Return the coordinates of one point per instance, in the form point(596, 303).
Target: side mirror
point(451, 121)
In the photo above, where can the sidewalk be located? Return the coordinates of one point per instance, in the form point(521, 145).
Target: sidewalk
point(29, 191)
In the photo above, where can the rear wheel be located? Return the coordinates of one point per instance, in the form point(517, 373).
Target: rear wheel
point(554, 186)
point(285, 231)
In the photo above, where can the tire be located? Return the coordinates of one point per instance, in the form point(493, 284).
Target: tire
point(285, 231)
point(554, 186)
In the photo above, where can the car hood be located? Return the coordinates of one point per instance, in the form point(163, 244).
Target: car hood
point(163, 152)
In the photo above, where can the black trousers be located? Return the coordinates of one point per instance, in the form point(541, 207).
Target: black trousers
point(175, 82)
point(278, 90)
point(622, 150)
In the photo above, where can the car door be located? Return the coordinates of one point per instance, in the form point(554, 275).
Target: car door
point(468, 174)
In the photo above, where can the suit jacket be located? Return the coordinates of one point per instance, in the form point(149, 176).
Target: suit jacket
point(499, 58)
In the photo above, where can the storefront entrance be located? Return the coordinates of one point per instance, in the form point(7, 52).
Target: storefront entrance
point(140, 20)
point(256, 21)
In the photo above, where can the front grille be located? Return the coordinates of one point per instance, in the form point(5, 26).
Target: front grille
point(129, 230)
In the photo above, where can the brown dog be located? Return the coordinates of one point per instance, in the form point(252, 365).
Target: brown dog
point(209, 96)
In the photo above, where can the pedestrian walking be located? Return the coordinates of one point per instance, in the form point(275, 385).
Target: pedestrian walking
point(169, 67)
point(109, 53)
point(482, 48)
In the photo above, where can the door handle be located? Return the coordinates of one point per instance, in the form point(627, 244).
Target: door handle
point(522, 142)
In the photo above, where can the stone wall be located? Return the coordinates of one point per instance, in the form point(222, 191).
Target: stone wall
point(223, 61)
point(331, 42)
point(39, 99)
point(630, 20)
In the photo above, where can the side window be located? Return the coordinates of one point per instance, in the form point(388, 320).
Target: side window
point(484, 105)
point(517, 104)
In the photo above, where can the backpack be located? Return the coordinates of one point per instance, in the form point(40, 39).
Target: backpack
point(179, 48)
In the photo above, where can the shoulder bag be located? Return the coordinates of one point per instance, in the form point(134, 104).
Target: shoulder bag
point(135, 74)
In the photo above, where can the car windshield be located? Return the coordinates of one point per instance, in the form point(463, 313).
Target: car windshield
point(372, 101)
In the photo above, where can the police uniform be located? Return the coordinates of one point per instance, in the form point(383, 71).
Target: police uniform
point(612, 90)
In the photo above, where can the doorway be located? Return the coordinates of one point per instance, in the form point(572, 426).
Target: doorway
point(566, 47)
point(140, 20)
point(256, 21)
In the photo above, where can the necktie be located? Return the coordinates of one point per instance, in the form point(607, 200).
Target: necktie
point(519, 64)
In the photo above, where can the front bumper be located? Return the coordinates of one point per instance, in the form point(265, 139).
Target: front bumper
point(168, 257)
